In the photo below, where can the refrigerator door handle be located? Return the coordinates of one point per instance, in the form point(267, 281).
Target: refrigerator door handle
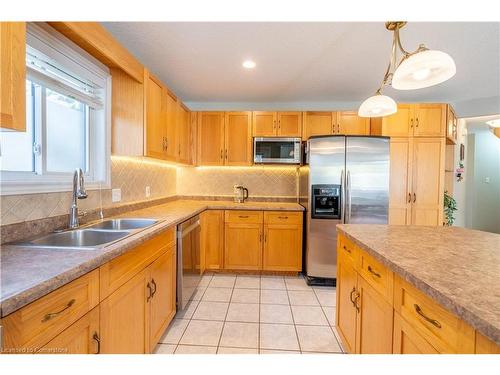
point(342, 197)
point(348, 196)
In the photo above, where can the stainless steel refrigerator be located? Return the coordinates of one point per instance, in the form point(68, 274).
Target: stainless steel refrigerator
point(345, 180)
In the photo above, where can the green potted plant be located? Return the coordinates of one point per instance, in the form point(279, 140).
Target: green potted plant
point(450, 206)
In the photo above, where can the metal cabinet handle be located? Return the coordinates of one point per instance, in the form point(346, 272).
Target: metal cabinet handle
point(416, 123)
point(346, 249)
point(226, 154)
point(54, 314)
point(350, 296)
point(265, 236)
point(150, 292)
point(409, 197)
point(98, 341)
point(279, 124)
point(243, 216)
point(356, 299)
point(221, 154)
point(419, 311)
point(282, 217)
point(411, 123)
point(414, 197)
point(370, 269)
point(154, 285)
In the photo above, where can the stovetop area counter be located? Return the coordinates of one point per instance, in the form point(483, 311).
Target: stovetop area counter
point(27, 274)
point(459, 268)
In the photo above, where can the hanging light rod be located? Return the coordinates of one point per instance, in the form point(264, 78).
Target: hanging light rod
point(415, 70)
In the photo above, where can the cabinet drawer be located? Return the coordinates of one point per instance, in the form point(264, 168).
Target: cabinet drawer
point(118, 271)
point(284, 217)
point(443, 330)
point(34, 325)
point(377, 275)
point(347, 249)
point(253, 217)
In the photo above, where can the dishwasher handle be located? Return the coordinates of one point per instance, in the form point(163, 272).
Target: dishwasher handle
point(190, 228)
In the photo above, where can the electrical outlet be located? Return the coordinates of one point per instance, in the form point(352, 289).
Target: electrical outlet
point(486, 180)
point(148, 191)
point(116, 195)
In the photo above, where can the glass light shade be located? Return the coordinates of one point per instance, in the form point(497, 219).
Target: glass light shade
point(377, 105)
point(423, 69)
point(494, 123)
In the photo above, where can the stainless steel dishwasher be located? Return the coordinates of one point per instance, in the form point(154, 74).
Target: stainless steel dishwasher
point(188, 260)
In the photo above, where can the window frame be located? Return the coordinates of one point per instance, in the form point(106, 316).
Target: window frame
point(98, 175)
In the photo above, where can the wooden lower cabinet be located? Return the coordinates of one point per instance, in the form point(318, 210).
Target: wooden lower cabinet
point(243, 246)
point(407, 340)
point(346, 311)
point(282, 247)
point(82, 337)
point(212, 239)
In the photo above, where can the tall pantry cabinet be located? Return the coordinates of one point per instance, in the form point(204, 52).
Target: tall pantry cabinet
point(418, 133)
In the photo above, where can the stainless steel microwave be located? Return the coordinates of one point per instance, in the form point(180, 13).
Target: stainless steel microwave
point(269, 150)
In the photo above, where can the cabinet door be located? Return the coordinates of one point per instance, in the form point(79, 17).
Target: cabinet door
point(282, 248)
point(210, 138)
point(399, 124)
point(238, 138)
point(124, 318)
point(184, 134)
point(162, 279)
point(406, 339)
point(212, 238)
point(82, 337)
point(349, 123)
point(318, 123)
point(170, 125)
point(155, 120)
point(289, 124)
point(374, 323)
point(243, 246)
point(264, 124)
point(429, 120)
point(13, 75)
point(400, 181)
point(346, 312)
point(428, 181)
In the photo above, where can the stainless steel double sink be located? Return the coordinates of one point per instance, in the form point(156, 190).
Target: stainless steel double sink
point(90, 237)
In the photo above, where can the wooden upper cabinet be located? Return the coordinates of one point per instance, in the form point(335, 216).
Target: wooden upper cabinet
point(184, 134)
point(349, 123)
point(399, 124)
point(429, 120)
point(154, 116)
point(289, 124)
point(13, 75)
point(171, 106)
point(210, 143)
point(238, 138)
point(428, 181)
point(400, 181)
point(264, 124)
point(318, 123)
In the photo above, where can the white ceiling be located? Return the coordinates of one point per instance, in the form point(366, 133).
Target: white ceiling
point(310, 65)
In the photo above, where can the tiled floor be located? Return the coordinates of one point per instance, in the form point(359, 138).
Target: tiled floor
point(238, 314)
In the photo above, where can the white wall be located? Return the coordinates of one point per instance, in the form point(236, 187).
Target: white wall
point(459, 188)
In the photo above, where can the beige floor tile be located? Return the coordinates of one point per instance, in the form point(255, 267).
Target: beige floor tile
point(276, 314)
point(198, 293)
point(309, 315)
point(274, 297)
point(337, 336)
point(222, 281)
point(296, 283)
point(330, 314)
point(271, 351)
point(240, 335)
point(195, 349)
point(243, 312)
point(278, 336)
point(211, 311)
point(217, 294)
point(247, 282)
point(245, 296)
point(317, 339)
point(202, 332)
point(188, 311)
point(326, 297)
point(224, 350)
point(272, 282)
point(205, 280)
point(302, 298)
point(165, 349)
point(174, 331)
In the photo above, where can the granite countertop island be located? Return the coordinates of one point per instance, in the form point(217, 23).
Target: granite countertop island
point(27, 274)
point(459, 268)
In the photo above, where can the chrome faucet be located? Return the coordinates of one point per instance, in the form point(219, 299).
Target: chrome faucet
point(78, 193)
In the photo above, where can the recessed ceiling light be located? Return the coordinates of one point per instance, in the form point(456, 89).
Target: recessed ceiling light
point(249, 64)
point(494, 123)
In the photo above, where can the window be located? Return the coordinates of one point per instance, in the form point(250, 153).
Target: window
point(67, 119)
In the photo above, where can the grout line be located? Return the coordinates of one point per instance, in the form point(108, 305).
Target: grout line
point(225, 317)
point(293, 320)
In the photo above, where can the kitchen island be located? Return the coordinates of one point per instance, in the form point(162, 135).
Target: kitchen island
point(407, 289)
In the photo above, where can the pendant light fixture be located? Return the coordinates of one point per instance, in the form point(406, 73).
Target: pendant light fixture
point(416, 70)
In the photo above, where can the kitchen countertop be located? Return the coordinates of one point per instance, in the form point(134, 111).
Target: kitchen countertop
point(458, 268)
point(28, 274)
